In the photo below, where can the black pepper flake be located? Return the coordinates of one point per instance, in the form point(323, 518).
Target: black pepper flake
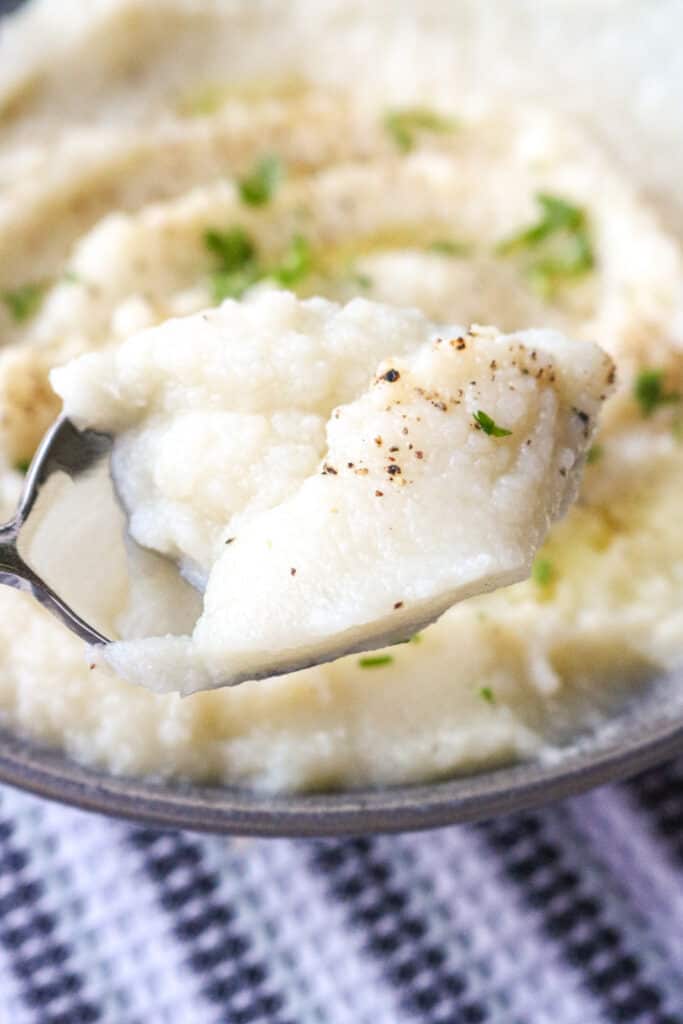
point(329, 469)
point(394, 448)
point(379, 494)
point(563, 472)
point(397, 605)
point(460, 344)
point(404, 431)
point(292, 572)
point(612, 375)
point(391, 376)
point(229, 540)
point(419, 455)
point(583, 416)
point(393, 469)
point(378, 441)
point(350, 465)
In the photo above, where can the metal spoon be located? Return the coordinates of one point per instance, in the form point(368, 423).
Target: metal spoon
point(74, 452)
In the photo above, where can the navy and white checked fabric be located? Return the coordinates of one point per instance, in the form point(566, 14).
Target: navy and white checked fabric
point(571, 915)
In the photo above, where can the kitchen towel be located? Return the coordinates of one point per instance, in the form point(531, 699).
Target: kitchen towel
point(569, 915)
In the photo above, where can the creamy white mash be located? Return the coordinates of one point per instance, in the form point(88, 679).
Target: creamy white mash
point(417, 170)
point(316, 528)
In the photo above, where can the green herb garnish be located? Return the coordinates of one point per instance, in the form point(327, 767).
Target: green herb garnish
point(489, 426)
point(556, 215)
point(204, 101)
point(375, 660)
point(416, 638)
point(403, 125)
point(295, 264)
point(650, 393)
point(258, 187)
point(486, 693)
point(233, 247)
point(24, 302)
point(446, 247)
point(238, 265)
point(363, 281)
point(594, 454)
point(21, 465)
point(559, 241)
point(543, 572)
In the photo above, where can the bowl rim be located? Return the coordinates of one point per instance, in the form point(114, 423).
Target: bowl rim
point(165, 804)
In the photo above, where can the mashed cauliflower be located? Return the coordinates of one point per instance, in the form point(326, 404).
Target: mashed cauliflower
point(154, 162)
point(316, 528)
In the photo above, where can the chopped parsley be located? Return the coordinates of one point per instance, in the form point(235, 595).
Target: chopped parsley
point(258, 187)
point(375, 660)
point(21, 465)
point(416, 638)
point(543, 572)
point(233, 247)
point(203, 102)
point(650, 393)
point(594, 454)
point(239, 265)
point(489, 426)
point(295, 264)
point(448, 247)
point(403, 125)
point(559, 243)
point(363, 281)
point(24, 302)
point(486, 693)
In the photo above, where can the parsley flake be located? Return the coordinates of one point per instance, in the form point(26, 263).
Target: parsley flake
point(21, 465)
point(489, 426)
point(559, 241)
point(448, 247)
point(24, 302)
point(649, 392)
point(375, 660)
point(486, 693)
point(363, 281)
point(594, 454)
point(295, 264)
point(403, 125)
point(258, 187)
point(543, 572)
point(239, 266)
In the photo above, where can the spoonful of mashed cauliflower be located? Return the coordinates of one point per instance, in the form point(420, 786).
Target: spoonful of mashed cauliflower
point(329, 478)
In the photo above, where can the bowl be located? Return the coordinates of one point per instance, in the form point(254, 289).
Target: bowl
point(645, 734)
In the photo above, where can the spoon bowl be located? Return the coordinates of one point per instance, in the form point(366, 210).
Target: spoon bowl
point(64, 449)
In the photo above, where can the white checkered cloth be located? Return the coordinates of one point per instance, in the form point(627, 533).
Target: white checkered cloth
point(572, 915)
